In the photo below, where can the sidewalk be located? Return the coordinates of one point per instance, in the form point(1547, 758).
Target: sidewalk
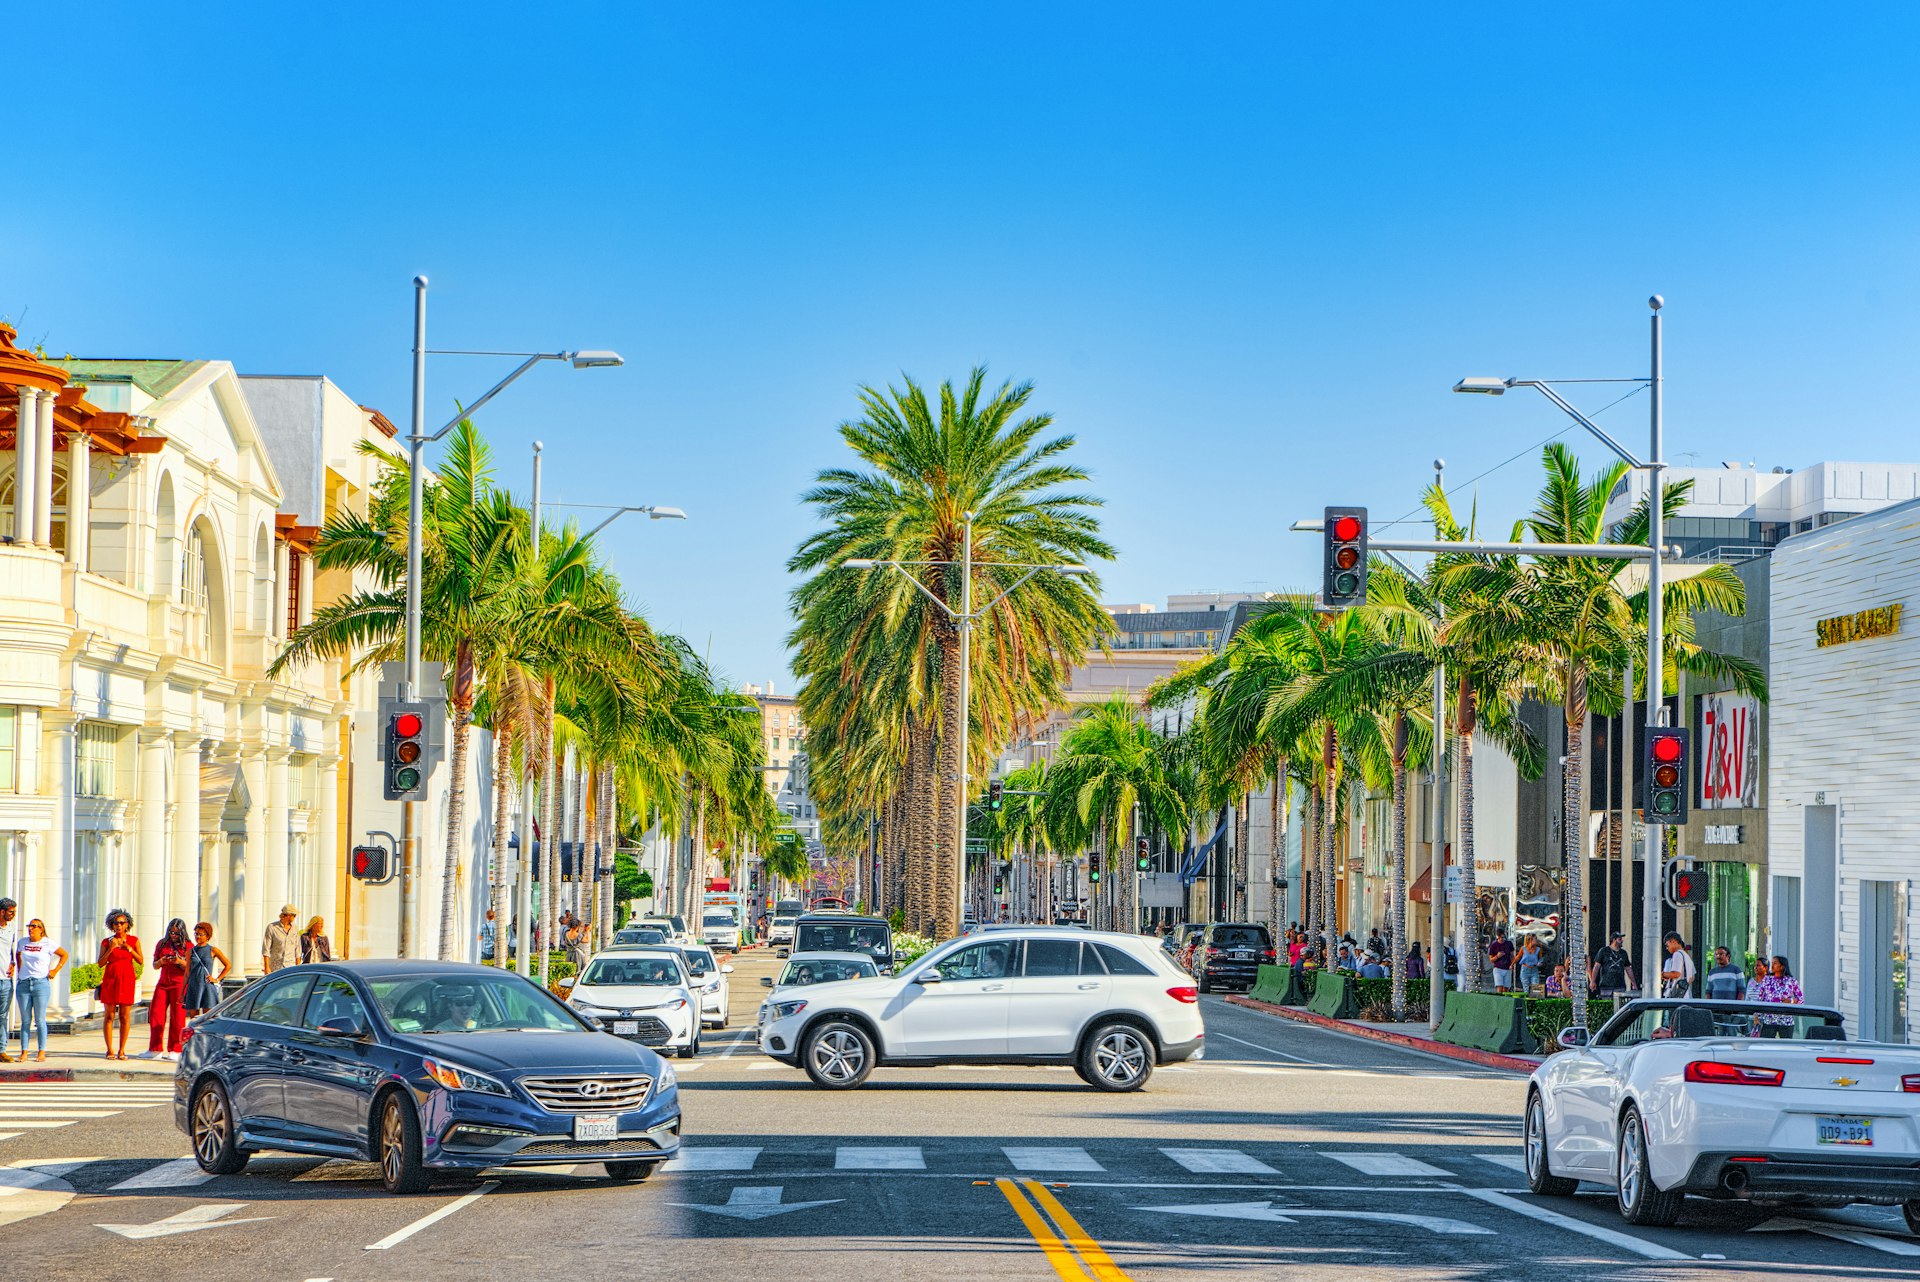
point(78, 1057)
point(1413, 1036)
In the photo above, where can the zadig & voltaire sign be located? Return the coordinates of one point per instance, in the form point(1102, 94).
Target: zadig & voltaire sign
point(1882, 621)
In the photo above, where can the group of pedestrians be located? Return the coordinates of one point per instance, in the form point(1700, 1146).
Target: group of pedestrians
point(32, 962)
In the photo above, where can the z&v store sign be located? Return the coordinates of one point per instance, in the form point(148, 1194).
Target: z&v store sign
point(1730, 757)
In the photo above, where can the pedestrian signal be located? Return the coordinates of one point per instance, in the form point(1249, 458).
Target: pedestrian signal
point(1686, 885)
point(369, 863)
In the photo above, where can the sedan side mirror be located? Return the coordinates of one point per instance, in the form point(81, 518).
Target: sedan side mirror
point(766, 981)
point(346, 1026)
point(1572, 1038)
point(726, 970)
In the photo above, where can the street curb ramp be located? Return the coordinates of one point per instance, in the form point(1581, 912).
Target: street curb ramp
point(1279, 985)
point(1487, 1022)
point(1333, 996)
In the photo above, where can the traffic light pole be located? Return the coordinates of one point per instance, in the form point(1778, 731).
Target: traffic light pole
point(1656, 660)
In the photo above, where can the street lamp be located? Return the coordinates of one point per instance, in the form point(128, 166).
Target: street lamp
point(417, 441)
point(1652, 465)
point(653, 514)
point(963, 619)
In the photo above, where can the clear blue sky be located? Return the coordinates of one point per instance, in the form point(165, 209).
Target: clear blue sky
point(1243, 251)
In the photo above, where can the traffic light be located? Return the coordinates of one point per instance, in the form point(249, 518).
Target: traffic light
point(1345, 534)
point(993, 795)
point(369, 863)
point(1093, 868)
point(1685, 885)
point(1140, 857)
point(405, 750)
point(1666, 770)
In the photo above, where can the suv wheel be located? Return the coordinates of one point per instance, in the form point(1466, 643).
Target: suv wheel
point(1117, 1057)
point(838, 1055)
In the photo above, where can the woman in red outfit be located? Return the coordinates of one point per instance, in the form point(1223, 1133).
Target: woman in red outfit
point(120, 956)
point(166, 1016)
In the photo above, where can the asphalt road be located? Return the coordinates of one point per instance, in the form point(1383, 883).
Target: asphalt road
point(1289, 1152)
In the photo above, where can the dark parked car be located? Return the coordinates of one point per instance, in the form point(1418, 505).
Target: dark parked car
point(419, 1066)
point(1229, 954)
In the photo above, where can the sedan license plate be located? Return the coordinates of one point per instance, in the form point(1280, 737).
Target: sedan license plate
point(626, 1028)
point(1845, 1130)
point(596, 1128)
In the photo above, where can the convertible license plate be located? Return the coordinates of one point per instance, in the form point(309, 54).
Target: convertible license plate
point(626, 1028)
point(596, 1128)
point(1845, 1130)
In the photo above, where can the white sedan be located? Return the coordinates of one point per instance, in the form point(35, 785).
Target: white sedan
point(641, 994)
point(1739, 1100)
point(1110, 1005)
point(708, 976)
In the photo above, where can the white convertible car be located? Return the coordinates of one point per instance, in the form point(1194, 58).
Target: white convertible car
point(1727, 1100)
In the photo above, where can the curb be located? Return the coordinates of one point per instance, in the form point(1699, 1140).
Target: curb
point(15, 1075)
point(1486, 1059)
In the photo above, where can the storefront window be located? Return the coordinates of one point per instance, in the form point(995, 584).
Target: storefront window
point(9, 747)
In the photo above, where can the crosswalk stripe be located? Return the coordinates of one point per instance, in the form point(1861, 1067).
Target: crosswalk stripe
point(1385, 1164)
point(862, 1158)
point(1051, 1159)
point(10, 1115)
point(43, 1125)
point(1222, 1161)
point(714, 1159)
point(180, 1173)
point(1512, 1161)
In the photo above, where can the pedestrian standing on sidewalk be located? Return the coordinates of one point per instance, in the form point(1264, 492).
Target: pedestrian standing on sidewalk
point(1500, 953)
point(166, 1013)
point(203, 986)
point(280, 946)
point(1612, 970)
point(314, 946)
point(120, 961)
point(1778, 985)
point(1725, 981)
point(486, 937)
point(9, 940)
point(36, 960)
point(1530, 959)
point(1676, 971)
point(1416, 962)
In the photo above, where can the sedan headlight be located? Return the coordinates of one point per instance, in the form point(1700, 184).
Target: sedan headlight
point(456, 1078)
point(678, 1003)
point(665, 1079)
point(781, 1010)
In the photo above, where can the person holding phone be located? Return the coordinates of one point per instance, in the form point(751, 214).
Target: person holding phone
point(121, 960)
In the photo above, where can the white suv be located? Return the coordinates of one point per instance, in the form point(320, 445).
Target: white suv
point(718, 930)
point(1111, 1005)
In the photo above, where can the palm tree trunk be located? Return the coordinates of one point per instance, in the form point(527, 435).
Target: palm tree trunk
point(1329, 832)
point(549, 833)
point(949, 855)
point(604, 866)
point(460, 703)
point(1276, 821)
point(1310, 857)
point(502, 790)
point(1397, 896)
point(1243, 820)
point(1573, 782)
point(1471, 944)
point(578, 827)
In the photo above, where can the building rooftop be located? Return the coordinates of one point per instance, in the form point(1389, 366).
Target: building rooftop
point(154, 377)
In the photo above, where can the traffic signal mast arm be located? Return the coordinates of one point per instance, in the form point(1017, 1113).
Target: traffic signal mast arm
point(1614, 551)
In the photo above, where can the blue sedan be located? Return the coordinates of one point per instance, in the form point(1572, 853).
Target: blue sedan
point(422, 1067)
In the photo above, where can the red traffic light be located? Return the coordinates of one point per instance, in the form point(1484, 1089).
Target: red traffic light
point(1666, 747)
point(1346, 528)
point(407, 724)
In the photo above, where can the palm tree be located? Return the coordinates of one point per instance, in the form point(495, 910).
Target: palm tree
point(880, 651)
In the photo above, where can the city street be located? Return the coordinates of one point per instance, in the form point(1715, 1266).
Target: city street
point(1287, 1152)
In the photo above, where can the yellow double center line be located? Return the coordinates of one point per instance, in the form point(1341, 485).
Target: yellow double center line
point(1073, 1255)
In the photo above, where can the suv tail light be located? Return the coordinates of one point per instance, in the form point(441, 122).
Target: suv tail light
point(1214, 948)
point(1192, 995)
point(1269, 954)
point(1714, 1073)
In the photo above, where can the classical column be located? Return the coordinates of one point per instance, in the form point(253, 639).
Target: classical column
point(26, 455)
point(57, 858)
point(306, 589)
point(79, 497)
point(43, 469)
point(277, 598)
point(150, 888)
point(278, 877)
point(183, 872)
point(250, 915)
point(324, 848)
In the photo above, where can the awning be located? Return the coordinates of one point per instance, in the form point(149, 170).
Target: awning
point(1421, 892)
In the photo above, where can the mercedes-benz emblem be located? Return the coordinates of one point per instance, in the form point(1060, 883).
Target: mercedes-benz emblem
point(593, 1090)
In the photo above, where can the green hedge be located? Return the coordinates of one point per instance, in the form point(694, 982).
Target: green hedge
point(84, 978)
point(1546, 1016)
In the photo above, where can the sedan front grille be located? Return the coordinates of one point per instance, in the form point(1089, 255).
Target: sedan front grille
point(588, 1094)
point(628, 1146)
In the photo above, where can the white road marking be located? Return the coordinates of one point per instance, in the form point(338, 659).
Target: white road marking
point(25, 1194)
point(1298, 1059)
point(59, 1167)
point(208, 1215)
point(714, 1159)
point(182, 1172)
point(1259, 1069)
point(1387, 1164)
point(1612, 1237)
point(1512, 1161)
point(1051, 1159)
point(398, 1236)
point(9, 1115)
point(30, 1124)
point(766, 1066)
point(1211, 1161)
point(1856, 1234)
point(1289, 1214)
point(756, 1203)
point(862, 1158)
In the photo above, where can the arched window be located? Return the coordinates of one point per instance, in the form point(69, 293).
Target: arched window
point(197, 594)
point(7, 505)
point(165, 542)
point(262, 581)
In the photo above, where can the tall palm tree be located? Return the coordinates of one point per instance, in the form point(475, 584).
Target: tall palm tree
point(975, 459)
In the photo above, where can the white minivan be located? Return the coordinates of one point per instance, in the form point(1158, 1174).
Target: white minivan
point(1111, 1005)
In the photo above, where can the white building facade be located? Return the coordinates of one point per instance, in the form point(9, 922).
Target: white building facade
point(1843, 770)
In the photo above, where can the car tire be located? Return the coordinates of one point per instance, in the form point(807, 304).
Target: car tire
point(397, 1146)
point(1640, 1201)
point(1117, 1057)
point(1540, 1176)
point(1912, 1211)
point(692, 1048)
point(630, 1172)
point(1200, 982)
point(216, 1138)
point(838, 1055)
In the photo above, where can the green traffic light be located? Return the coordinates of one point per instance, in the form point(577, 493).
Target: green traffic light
point(1346, 583)
point(1666, 802)
point(406, 779)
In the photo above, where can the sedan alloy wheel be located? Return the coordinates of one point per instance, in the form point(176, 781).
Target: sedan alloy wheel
point(214, 1146)
point(1540, 1176)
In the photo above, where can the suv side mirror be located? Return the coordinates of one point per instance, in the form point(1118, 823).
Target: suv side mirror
point(568, 982)
point(929, 976)
point(1572, 1038)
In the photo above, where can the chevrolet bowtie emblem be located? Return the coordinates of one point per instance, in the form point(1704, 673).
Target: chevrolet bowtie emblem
point(1844, 1081)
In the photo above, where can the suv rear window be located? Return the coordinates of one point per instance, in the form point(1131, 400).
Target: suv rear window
point(1121, 962)
point(1240, 937)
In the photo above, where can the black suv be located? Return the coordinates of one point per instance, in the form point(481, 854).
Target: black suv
point(1229, 954)
point(833, 932)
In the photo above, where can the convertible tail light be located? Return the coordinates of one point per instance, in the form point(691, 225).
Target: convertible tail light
point(1840, 1059)
point(1192, 995)
point(1910, 1082)
point(1714, 1073)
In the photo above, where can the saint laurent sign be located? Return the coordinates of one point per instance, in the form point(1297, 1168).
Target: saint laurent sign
point(1883, 621)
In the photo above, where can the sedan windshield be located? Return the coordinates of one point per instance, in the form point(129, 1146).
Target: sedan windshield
point(469, 1004)
point(638, 971)
point(826, 972)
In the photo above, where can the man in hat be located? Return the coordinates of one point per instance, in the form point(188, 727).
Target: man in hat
point(281, 944)
point(1612, 970)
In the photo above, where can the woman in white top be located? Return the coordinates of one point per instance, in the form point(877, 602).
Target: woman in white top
point(36, 960)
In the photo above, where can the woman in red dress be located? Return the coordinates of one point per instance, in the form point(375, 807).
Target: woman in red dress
point(120, 956)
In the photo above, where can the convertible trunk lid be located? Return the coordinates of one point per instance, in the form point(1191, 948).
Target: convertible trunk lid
point(1854, 1068)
